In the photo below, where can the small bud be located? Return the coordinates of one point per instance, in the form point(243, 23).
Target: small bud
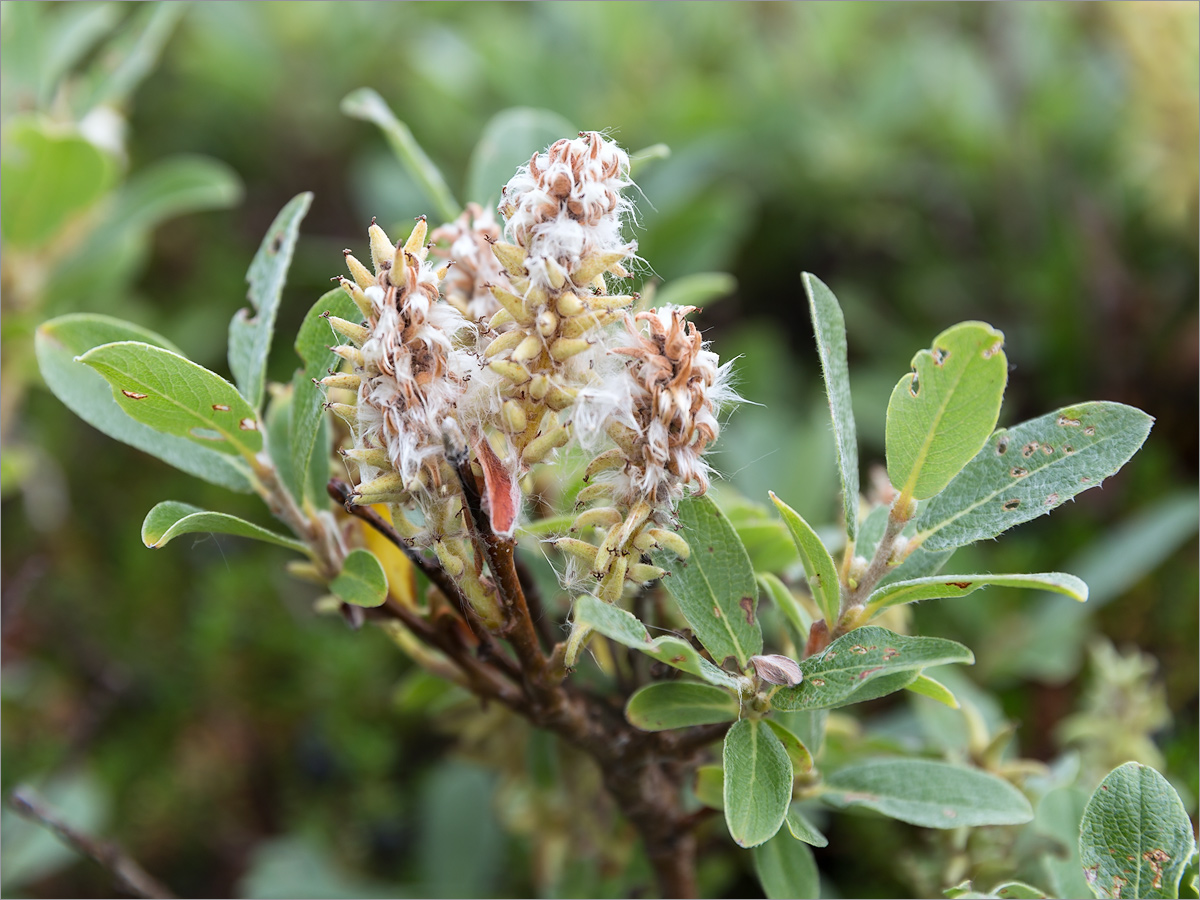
point(502, 318)
point(390, 483)
point(382, 248)
point(514, 416)
point(547, 322)
point(529, 348)
point(555, 274)
point(777, 669)
point(505, 342)
point(415, 245)
point(611, 301)
point(569, 305)
point(609, 459)
point(669, 540)
point(360, 273)
point(593, 492)
point(451, 561)
point(356, 294)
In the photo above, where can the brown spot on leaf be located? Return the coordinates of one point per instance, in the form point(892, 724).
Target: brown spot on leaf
point(1002, 446)
point(134, 395)
point(711, 550)
point(1067, 422)
point(1156, 858)
point(891, 653)
point(1010, 505)
point(1018, 472)
point(678, 659)
point(866, 672)
point(1052, 500)
point(1029, 449)
point(717, 611)
point(949, 813)
point(248, 425)
point(1047, 449)
point(220, 407)
point(817, 682)
point(940, 356)
point(961, 585)
point(993, 350)
point(1090, 430)
point(858, 648)
point(747, 603)
point(1068, 449)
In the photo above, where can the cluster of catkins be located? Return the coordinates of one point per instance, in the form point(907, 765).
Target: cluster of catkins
point(514, 348)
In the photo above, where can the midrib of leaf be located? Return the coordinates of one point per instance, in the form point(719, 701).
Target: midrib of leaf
point(919, 464)
point(753, 770)
point(922, 536)
point(741, 654)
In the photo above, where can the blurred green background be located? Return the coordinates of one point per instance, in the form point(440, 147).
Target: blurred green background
point(1033, 165)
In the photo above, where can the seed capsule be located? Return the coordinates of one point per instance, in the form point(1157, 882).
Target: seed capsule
point(352, 332)
point(529, 348)
point(511, 257)
point(514, 416)
point(507, 341)
point(360, 273)
point(642, 573)
point(565, 348)
point(382, 248)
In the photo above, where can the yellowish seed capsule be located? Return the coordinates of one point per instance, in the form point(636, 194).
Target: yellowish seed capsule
point(596, 264)
point(644, 541)
point(361, 275)
point(511, 257)
point(569, 304)
point(535, 297)
point(351, 331)
point(613, 580)
point(601, 516)
point(642, 573)
point(540, 386)
point(669, 540)
point(404, 528)
point(514, 304)
point(305, 571)
point(529, 348)
point(451, 561)
point(382, 248)
point(376, 457)
point(351, 355)
point(503, 343)
point(342, 380)
point(565, 348)
point(345, 411)
point(608, 548)
point(610, 301)
point(581, 550)
point(536, 450)
point(547, 321)
point(356, 294)
point(593, 492)
point(391, 483)
point(609, 459)
point(556, 274)
point(415, 245)
point(514, 372)
point(623, 436)
point(559, 398)
point(328, 605)
point(634, 520)
point(502, 318)
point(514, 416)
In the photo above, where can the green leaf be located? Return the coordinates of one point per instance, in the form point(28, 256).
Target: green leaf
point(362, 580)
point(312, 345)
point(132, 55)
point(802, 829)
point(679, 704)
point(818, 564)
point(1135, 839)
point(50, 173)
point(758, 782)
point(1057, 825)
point(830, 328)
point(710, 786)
point(802, 761)
point(278, 421)
point(715, 586)
point(847, 669)
point(176, 396)
point(700, 289)
point(77, 29)
point(251, 330)
point(508, 140)
point(927, 793)
point(1009, 890)
point(639, 159)
point(786, 870)
point(942, 412)
point(1026, 471)
point(787, 603)
point(177, 185)
point(59, 341)
point(940, 586)
point(366, 104)
point(170, 519)
point(625, 628)
point(934, 690)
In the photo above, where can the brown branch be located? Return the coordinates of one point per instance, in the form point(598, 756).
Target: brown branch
point(129, 875)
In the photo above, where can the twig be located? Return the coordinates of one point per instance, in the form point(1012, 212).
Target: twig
point(129, 875)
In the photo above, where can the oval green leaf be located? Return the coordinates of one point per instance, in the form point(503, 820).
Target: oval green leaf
point(802, 829)
point(177, 397)
point(818, 564)
point(796, 615)
point(942, 412)
point(786, 870)
point(938, 587)
point(934, 690)
point(362, 580)
point(927, 793)
point(1028, 470)
point(251, 330)
point(170, 519)
point(849, 668)
point(829, 326)
point(715, 585)
point(802, 761)
point(1135, 839)
point(679, 704)
point(58, 343)
point(758, 782)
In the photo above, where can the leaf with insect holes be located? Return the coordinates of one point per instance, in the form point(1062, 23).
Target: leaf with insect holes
point(714, 586)
point(83, 391)
point(251, 330)
point(1027, 470)
point(927, 793)
point(786, 869)
point(366, 104)
point(312, 345)
point(818, 564)
point(625, 628)
point(937, 587)
point(758, 782)
point(170, 519)
point(829, 325)
point(849, 669)
point(941, 413)
point(362, 580)
point(176, 396)
point(679, 704)
point(1136, 838)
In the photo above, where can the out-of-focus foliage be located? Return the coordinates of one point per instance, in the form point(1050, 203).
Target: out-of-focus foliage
point(1033, 165)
